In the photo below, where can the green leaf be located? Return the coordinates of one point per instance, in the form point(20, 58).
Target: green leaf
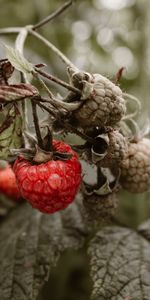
point(18, 61)
point(120, 263)
point(10, 131)
point(30, 244)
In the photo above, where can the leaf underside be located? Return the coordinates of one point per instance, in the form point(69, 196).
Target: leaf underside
point(30, 244)
point(120, 263)
point(18, 61)
point(10, 130)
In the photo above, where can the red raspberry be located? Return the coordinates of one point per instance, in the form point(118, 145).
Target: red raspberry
point(49, 186)
point(8, 185)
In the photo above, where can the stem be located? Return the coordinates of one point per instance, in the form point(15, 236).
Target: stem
point(58, 81)
point(79, 133)
point(53, 48)
point(10, 30)
point(130, 116)
point(20, 40)
point(119, 74)
point(138, 103)
point(36, 124)
point(31, 30)
point(100, 177)
point(48, 141)
point(67, 125)
point(19, 45)
point(53, 15)
point(135, 128)
point(54, 105)
point(54, 102)
point(43, 85)
point(42, 106)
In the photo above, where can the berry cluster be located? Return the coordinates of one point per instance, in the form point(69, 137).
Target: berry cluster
point(122, 161)
point(48, 173)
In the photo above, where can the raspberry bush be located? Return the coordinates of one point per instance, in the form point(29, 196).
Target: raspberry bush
point(48, 203)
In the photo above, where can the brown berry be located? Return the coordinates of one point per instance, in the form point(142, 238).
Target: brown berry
point(102, 103)
point(135, 170)
point(114, 152)
point(109, 149)
point(100, 208)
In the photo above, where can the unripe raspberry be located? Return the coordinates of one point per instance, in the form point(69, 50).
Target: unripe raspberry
point(103, 103)
point(100, 208)
point(115, 149)
point(135, 170)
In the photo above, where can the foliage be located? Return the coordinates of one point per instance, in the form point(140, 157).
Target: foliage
point(119, 263)
point(31, 243)
point(10, 131)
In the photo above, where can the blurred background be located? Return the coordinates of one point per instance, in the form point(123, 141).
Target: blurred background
point(99, 36)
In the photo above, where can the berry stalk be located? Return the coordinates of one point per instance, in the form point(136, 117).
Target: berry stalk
point(36, 124)
point(53, 15)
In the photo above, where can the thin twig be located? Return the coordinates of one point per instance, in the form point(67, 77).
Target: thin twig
point(58, 104)
point(52, 47)
point(53, 15)
point(20, 40)
point(79, 133)
point(100, 177)
point(10, 30)
point(58, 81)
point(135, 130)
point(19, 45)
point(119, 75)
point(36, 124)
point(44, 100)
point(66, 125)
point(52, 102)
point(23, 99)
point(52, 112)
point(138, 103)
point(43, 85)
point(29, 28)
